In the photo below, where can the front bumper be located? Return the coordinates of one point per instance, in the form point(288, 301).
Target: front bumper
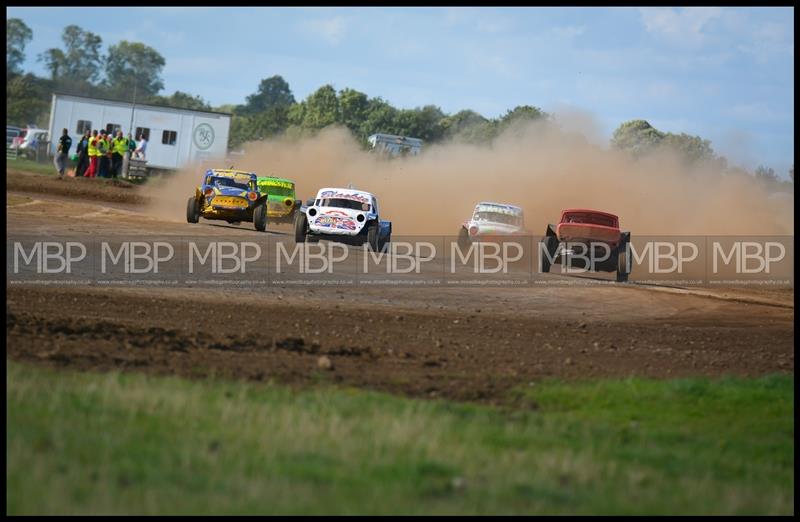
point(279, 209)
point(226, 207)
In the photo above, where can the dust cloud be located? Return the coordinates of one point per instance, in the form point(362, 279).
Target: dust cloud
point(538, 167)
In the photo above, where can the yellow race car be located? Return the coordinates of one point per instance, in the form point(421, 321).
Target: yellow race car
point(229, 195)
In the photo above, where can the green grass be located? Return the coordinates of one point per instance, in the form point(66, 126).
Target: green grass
point(48, 168)
point(27, 165)
point(129, 443)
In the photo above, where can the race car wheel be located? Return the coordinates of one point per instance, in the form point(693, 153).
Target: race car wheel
point(382, 242)
point(260, 217)
point(300, 227)
point(550, 246)
point(622, 263)
point(192, 211)
point(463, 239)
point(372, 238)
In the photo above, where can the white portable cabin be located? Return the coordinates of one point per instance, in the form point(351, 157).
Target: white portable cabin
point(175, 136)
point(395, 145)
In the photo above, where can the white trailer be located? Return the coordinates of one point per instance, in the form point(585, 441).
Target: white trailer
point(395, 145)
point(174, 136)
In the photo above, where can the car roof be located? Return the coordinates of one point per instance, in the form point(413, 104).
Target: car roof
point(501, 205)
point(344, 192)
point(275, 178)
point(229, 173)
point(589, 211)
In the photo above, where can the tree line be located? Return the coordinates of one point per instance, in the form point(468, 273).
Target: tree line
point(133, 69)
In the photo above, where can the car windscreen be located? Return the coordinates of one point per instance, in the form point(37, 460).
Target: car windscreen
point(590, 219)
point(229, 182)
point(272, 190)
point(344, 203)
point(497, 217)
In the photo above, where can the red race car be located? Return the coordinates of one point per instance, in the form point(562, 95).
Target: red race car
point(589, 239)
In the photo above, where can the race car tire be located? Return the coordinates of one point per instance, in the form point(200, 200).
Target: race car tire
point(300, 227)
point(192, 212)
point(622, 263)
point(550, 245)
point(260, 217)
point(372, 238)
point(385, 241)
point(463, 239)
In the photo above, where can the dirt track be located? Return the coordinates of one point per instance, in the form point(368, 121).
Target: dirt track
point(460, 343)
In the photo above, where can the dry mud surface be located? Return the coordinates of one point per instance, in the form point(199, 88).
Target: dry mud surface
point(471, 344)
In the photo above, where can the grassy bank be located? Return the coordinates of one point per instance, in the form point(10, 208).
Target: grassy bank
point(111, 443)
point(48, 168)
point(27, 165)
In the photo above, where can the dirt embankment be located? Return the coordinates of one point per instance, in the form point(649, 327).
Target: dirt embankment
point(95, 189)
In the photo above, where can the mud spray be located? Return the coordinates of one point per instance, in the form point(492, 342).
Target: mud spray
point(540, 168)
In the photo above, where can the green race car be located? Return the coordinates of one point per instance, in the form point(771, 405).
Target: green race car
point(281, 202)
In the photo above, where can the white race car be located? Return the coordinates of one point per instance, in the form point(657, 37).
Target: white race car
point(344, 213)
point(491, 219)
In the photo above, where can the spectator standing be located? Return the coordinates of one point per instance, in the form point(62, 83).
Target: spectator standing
point(92, 151)
point(82, 150)
point(127, 158)
point(119, 147)
point(103, 161)
point(62, 153)
point(141, 148)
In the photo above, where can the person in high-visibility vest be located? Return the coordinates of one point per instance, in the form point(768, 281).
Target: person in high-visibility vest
point(103, 161)
point(119, 146)
point(91, 172)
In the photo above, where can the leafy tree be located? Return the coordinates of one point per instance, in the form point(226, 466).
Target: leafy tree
point(691, 148)
point(453, 125)
point(429, 123)
point(321, 108)
point(27, 100)
point(381, 117)
point(469, 127)
point(228, 107)
point(354, 107)
point(17, 37)
point(265, 124)
point(132, 64)
point(181, 100)
point(55, 62)
point(80, 59)
point(520, 115)
point(296, 114)
point(636, 137)
point(272, 92)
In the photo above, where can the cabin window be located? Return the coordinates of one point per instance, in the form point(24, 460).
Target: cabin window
point(169, 137)
point(142, 132)
point(83, 126)
point(112, 128)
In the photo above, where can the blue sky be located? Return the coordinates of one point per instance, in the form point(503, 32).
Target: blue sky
point(726, 74)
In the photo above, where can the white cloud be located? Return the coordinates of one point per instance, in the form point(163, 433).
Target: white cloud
point(332, 30)
point(682, 26)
